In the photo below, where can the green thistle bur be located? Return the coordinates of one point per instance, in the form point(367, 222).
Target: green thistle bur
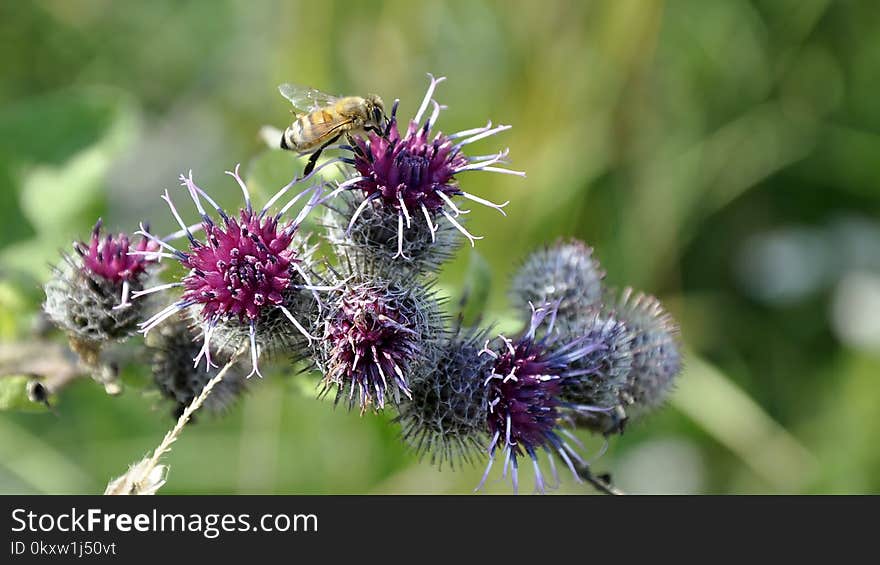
point(173, 347)
point(445, 418)
point(601, 376)
point(372, 241)
point(565, 272)
point(655, 348)
point(89, 293)
point(649, 344)
point(377, 334)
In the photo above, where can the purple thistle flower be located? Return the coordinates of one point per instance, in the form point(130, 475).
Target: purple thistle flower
point(524, 392)
point(109, 257)
point(376, 333)
point(413, 175)
point(113, 259)
point(89, 293)
point(243, 273)
point(248, 265)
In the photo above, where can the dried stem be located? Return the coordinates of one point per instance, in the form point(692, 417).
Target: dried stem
point(52, 366)
point(173, 434)
point(41, 358)
point(600, 483)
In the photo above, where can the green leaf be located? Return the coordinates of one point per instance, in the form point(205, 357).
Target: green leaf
point(12, 228)
point(14, 396)
point(76, 118)
point(13, 308)
point(475, 290)
point(57, 197)
point(60, 185)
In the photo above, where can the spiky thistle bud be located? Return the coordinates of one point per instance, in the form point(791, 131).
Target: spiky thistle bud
point(600, 377)
point(412, 178)
point(173, 348)
point(654, 353)
point(527, 411)
point(565, 272)
point(446, 414)
point(88, 294)
point(249, 276)
point(377, 333)
point(655, 347)
point(372, 241)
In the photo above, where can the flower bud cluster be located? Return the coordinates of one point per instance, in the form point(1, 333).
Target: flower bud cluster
point(360, 306)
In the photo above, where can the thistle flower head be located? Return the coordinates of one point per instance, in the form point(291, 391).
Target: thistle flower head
point(446, 414)
point(376, 334)
point(526, 409)
point(246, 266)
point(246, 273)
point(110, 257)
point(565, 272)
point(656, 351)
point(88, 294)
point(599, 378)
point(413, 176)
point(372, 244)
point(409, 170)
point(180, 380)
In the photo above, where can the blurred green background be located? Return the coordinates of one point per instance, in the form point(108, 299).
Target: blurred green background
point(722, 155)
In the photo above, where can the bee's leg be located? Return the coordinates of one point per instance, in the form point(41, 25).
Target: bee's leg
point(314, 158)
point(376, 130)
point(352, 146)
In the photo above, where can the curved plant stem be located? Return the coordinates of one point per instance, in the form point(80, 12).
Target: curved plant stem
point(600, 483)
point(147, 475)
point(175, 432)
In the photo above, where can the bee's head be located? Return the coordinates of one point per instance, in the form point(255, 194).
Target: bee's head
point(376, 109)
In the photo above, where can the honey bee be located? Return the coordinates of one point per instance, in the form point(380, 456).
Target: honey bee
point(321, 119)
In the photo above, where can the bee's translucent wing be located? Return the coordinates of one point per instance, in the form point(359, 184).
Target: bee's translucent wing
point(305, 98)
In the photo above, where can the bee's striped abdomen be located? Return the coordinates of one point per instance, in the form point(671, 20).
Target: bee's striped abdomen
point(309, 130)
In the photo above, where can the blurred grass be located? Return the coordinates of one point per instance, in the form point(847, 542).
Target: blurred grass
point(669, 135)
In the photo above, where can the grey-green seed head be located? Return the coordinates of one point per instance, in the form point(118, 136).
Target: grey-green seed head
point(604, 372)
point(445, 418)
point(372, 240)
point(89, 306)
point(565, 273)
point(172, 349)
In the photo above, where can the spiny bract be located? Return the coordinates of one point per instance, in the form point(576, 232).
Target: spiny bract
point(445, 417)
